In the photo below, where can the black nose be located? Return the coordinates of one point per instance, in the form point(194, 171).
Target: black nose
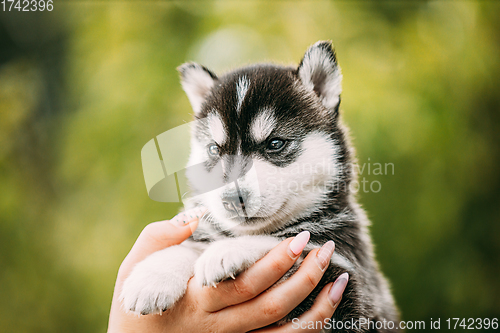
point(233, 203)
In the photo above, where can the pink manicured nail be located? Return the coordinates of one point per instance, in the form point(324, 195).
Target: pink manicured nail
point(337, 289)
point(299, 243)
point(188, 216)
point(324, 254)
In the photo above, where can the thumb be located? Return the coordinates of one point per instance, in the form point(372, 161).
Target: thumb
point(159, 235)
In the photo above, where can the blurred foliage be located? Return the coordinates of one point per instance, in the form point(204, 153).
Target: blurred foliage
point(84, 87)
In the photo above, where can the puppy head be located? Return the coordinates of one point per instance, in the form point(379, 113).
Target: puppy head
point(270, 135)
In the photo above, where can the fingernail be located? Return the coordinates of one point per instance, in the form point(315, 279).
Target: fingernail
point(188, 216)
point(298, 243)
point(324, 254)
point(335, 293)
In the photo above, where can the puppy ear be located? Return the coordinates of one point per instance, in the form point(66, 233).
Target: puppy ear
point(320, 73)
point(196, 81)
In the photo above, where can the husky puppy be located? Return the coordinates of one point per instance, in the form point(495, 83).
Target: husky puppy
point(277, 130)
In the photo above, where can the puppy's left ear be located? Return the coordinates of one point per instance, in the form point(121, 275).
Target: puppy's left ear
point(320, 73)
point(196, 81)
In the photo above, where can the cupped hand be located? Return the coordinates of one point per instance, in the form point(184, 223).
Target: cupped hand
point(244, 304)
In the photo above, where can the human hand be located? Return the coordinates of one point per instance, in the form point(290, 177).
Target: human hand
point(238, 305)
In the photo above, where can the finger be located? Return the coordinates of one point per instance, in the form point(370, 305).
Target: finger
point(159, 235)
point(273, 305)
point(263, 274)
point(319, 315)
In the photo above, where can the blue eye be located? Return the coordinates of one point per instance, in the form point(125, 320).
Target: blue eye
point(275, 144)
point(213, 150)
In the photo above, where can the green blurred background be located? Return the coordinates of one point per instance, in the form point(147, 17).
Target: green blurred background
point(84, 87)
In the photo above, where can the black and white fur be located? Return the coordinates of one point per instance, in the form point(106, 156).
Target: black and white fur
point(243, 111)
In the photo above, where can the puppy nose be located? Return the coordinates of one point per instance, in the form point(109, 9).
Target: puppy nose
point(233, 203)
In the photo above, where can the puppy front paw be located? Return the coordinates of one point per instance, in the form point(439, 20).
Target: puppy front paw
point(226, 259)
point(146, 293)
point(155, 285)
